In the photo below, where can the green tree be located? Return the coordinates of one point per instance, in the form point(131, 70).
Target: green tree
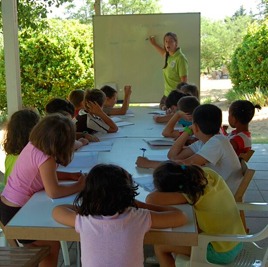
point(220, 38)
point(112, 7)
point(54, 61)
point(31, 12)
point(248, 68)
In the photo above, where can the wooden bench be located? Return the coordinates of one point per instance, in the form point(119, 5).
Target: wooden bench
point(22, 257)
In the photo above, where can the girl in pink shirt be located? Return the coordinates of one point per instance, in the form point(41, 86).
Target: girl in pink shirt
point(51, 143)
point(111, 223)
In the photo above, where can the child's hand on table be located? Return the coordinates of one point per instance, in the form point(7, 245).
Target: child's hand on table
point(143, 162)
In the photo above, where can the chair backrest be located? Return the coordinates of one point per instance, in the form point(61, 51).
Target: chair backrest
point(11, 242)
point(251, 254)
point(246, 156)
point(246, 179)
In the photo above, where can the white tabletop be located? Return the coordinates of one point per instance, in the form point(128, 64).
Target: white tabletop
point(34, 220)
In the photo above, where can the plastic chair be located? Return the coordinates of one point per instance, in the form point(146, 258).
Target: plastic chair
point(250, 256)
point(240, 192)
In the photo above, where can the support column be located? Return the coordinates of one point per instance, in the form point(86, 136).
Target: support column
point(11, 51)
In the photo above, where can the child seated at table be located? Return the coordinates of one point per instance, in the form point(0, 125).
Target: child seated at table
point(93, 119)
point(110, 220)
point(111, 100)
point(241, 113)
point(183, 116)
point(65, 107)
point(76, 97)
point(50, 143)
point(171, 106)
point(212, 149)
point(189, 89)
point(207, 192)
point(17, 135)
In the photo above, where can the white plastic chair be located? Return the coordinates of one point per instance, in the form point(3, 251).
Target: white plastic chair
point(251, 255)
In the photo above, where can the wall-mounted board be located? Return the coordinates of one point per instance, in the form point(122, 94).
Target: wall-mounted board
point(122, 55)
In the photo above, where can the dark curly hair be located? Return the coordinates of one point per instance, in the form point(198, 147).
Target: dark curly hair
point(109, 189)
point(173, 177)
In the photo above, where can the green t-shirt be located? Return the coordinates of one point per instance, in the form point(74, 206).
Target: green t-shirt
point(177, 67)
point(9, 164)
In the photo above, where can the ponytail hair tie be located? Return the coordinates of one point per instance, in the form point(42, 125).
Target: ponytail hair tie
point(183, 167)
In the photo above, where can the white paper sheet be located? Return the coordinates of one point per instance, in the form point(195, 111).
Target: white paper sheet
point(97, 146)
point(146, 182)
point(81, 162)
point(124, 123)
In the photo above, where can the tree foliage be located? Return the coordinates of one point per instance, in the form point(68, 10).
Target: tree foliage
point(220, 38)
point(31, 12)
point(54, 61)
point(112, 7)
point(248, 68)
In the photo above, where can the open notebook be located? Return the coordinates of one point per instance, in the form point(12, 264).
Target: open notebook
point(160, 141)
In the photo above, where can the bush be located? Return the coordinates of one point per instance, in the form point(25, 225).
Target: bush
point(54, 60)
point(248, 67)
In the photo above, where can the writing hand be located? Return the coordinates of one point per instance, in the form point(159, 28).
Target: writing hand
point(142, 162)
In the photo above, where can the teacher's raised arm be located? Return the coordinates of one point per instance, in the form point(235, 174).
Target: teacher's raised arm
point(175, 69)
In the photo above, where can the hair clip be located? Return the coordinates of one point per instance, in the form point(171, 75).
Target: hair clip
point(183, 167)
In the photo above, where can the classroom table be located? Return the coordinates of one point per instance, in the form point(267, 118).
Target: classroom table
point(142, 124)
point(34, 220)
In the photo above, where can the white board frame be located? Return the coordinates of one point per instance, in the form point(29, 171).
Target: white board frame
point(122, 55)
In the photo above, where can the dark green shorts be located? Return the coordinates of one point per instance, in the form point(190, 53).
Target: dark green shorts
point(223, 257)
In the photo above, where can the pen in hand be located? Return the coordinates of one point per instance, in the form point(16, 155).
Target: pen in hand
point(143, 151)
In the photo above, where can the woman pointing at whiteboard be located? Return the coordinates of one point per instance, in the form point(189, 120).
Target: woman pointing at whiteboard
point(175, 69)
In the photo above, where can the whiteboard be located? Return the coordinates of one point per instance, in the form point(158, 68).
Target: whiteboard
point(122, 55)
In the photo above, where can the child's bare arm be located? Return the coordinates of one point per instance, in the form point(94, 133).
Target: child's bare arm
point(178, 149)
point(164, 216)
point(143, 162)
point(123, 109)
point(162, 118)
point(169, 130)
point(64, 214)
point(50, 181)
point(95, 109)
point(194, 160)
point(89, 137)
point(165, 198)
